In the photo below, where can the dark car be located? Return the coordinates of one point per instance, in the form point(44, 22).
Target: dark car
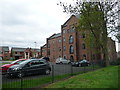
point(81, 63)
point(28, 67)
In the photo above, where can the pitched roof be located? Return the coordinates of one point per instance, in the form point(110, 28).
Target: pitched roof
point(55, 36)
point(36, 49)
point(5, 48)
point(18, 49)
point(77, 16)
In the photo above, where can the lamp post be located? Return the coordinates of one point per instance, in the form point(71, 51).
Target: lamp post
point(35, 48)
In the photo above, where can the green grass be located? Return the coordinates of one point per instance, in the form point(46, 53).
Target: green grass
point(102, 78)
point(39, 81)
point(33, 82)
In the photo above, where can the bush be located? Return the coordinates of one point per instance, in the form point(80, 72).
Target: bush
point(117, 62)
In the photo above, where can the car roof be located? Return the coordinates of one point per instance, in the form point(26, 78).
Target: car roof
point(26, 61)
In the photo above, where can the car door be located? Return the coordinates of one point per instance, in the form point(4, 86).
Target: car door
point(42, 66)
point(31, 67)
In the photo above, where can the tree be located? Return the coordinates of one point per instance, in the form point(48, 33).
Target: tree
point(97, 17)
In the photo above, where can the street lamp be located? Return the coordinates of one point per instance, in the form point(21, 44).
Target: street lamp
point(35, 48)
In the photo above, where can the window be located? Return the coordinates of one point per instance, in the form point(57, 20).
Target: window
point(73, 29)
point(53, 41)
point(64, 39)
point(48, 51)
point(59, 40)
point(63, 31)
point(64, 48)
point(64, 56)
point(71, 49)
point(59, 49)
point(83, 46)
point(48, 45)
point(84, 56)
point(21, 52)
point(71, 39)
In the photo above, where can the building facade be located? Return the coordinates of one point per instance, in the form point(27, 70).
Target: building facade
point(4, 52)
point(70, 44)
point(18, 53)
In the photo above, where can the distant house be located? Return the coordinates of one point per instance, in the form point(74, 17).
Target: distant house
point(35, 52)
point(4, 52)
point(17, 53)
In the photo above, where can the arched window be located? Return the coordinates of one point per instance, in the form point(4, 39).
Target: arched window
point(71, 49)
point(71, 39)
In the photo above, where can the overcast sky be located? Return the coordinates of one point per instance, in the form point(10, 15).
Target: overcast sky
point(23, 22)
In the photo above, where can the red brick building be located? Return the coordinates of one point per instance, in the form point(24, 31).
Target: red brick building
point(18, 53)
point(4, 52)
point(54, 47)
point(44, 51)
point(70, 44)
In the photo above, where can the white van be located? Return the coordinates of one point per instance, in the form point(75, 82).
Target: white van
point(62, 61)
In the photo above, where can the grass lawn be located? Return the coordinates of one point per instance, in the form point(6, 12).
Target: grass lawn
point(102, 78)
point(33, 82)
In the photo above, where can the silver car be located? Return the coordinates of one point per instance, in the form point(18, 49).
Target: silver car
point(62, 61)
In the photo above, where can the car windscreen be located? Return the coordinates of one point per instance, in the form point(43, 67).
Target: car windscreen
point(24, 62)
point(14, 62)
point(17, 62)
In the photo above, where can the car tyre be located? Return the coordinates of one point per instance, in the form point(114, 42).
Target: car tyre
point(47, 71)
point(79, 65)
point(20, 75)
point(61, 63)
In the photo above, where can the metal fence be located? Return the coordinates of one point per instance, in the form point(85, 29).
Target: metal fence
point(58, 72)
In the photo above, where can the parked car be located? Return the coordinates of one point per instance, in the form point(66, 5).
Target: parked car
point(6, 66)
point(28, 67)
point(62, 61)
point(81, 63)
point(46, 58)
point(0, 58)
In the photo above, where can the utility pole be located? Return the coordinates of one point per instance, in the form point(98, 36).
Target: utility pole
point(35, 48)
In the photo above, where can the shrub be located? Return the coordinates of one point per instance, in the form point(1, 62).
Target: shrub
point(117, 62)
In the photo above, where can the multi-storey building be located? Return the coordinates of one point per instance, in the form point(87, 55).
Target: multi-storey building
point(70, 44)
point(54, 47)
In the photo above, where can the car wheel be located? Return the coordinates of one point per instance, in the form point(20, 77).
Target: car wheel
point(61, 63)
point(79, 65)
point(47, 71)
point(20, 75)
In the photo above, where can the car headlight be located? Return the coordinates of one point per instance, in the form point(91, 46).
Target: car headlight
point(17, 68)
point(3, 67)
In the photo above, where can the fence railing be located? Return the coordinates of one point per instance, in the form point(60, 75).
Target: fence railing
point(58, 72)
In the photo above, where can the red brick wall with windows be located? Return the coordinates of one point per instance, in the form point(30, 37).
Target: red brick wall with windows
point(55, 48)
